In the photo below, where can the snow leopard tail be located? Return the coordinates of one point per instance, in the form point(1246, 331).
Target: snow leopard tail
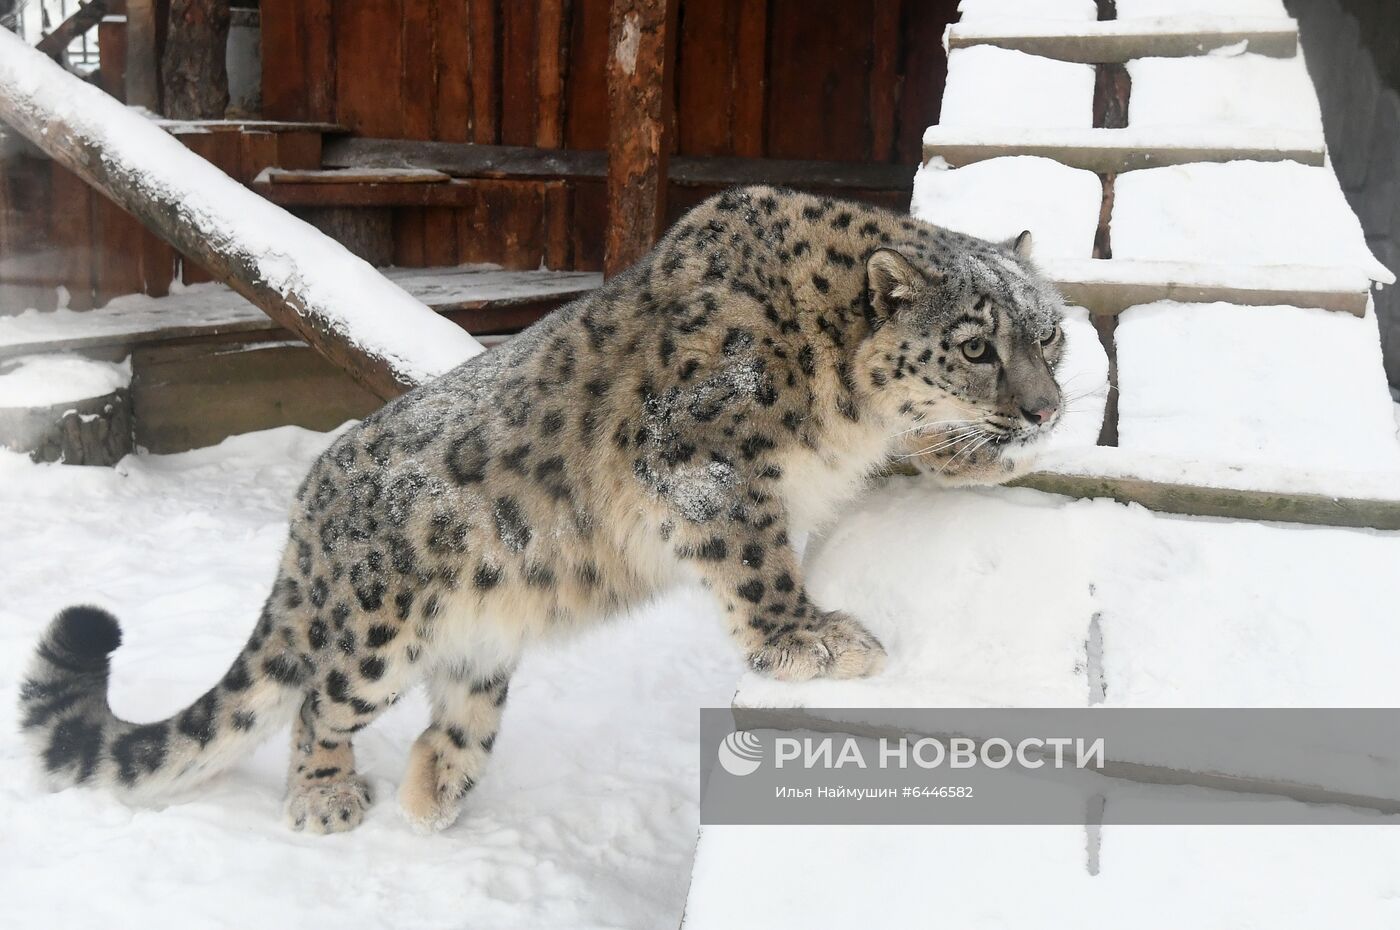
point(70, 727)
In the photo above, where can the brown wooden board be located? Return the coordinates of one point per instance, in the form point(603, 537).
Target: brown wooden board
point(282, 25)
point(418, 91)
point(440, 236)
point(256, 151)
point(117, 253)
point(519, 72)
point(70, 225)
point(299, 150)
point(521, 162)
point(819, 79)
point(483, 17)
point(409, 248)
point(369, 63)
point(452, 71)
point(586, 89)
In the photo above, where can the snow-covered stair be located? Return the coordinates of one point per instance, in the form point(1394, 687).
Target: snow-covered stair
point(1249, 385)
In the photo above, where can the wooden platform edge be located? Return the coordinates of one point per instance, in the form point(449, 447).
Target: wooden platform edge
point(1233, 503)
point(1114, 159)
point(1105, 46)
point(1110, 298)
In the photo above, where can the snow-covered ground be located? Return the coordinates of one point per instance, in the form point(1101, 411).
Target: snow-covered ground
point(587, 817)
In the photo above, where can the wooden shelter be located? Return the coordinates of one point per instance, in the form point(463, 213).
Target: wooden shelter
point(511, 104)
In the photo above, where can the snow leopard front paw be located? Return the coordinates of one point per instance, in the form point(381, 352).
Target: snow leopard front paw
point(838, 647)
point(328, 806)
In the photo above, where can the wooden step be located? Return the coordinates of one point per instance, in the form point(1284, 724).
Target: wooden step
point(1110, 151)
point(484, 300)
point(1123, 40)
point(1260, 493)
point(1106, 287)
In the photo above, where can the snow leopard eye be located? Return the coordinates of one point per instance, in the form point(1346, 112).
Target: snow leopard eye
point(975, 349)
point(1049, 338)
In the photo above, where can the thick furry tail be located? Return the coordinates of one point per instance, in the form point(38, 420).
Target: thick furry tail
point(65, 716)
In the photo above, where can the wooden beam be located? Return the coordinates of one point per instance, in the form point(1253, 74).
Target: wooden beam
point(641, 57)
point(84, 18)
point(228, 229)
point(1109, 151)
point(513, 162)
point(1201, 500)
point(1124, 40)
point(1110, 287)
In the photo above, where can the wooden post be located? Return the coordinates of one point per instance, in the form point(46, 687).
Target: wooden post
point(193, 67)
point(301, 278)
point(641, 55)
point(142, 73)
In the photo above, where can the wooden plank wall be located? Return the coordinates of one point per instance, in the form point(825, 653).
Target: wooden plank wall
point(847, 80)
point(56, 231)
point(844, 80)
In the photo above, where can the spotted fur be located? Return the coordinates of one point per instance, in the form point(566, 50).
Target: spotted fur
point(685, 421)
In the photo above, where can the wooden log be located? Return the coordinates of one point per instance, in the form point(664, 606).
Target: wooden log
point(193, 66)
point(84, 18)
point(90, 431)
point(641, 42)
point(302, 279)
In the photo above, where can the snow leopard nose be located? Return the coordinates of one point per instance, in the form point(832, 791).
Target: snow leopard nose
point(1041, 413)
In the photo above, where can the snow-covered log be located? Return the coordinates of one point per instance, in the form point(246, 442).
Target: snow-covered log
point(301, 278)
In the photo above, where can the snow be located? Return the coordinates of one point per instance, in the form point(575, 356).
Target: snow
point(990, 86)
point(998, 198)
point(1265, 597)
point(1240, 212)
point(1140, 9)
point(46, 380)
point(1083, 378)
point(984, 10)
point(340, 292)
point(586, 818)
point(994, 877)
point(1268, 385)
point(1239, 91)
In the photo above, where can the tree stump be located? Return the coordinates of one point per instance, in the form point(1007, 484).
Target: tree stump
point(92, 431)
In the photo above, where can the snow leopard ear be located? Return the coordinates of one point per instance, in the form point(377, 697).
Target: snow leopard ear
point(1021, 245)
point(893, 281)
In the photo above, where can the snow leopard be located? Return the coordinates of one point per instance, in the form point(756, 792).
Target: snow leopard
point(685, 422)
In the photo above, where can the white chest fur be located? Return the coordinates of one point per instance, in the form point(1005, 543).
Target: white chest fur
point(816, 483)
